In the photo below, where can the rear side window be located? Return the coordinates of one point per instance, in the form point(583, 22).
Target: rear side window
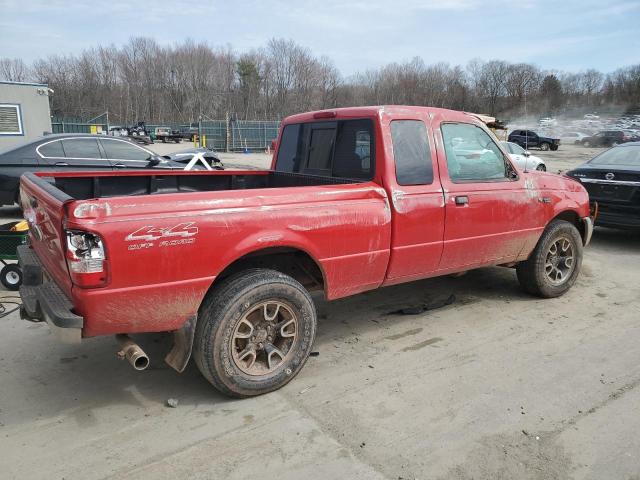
point(342, 148)
point(81, 148)
point(121, 150)
point(53, 149)
point(411, 152)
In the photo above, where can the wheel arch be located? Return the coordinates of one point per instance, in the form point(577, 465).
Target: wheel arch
point(573, 218)
point(290, 260)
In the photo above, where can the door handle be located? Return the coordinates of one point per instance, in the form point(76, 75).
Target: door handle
point(462, 200)
point(61, 164)
point(120, 165)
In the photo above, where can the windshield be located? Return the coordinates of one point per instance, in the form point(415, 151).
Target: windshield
point(627, 155)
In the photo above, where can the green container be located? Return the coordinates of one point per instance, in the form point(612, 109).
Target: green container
point(10, 241)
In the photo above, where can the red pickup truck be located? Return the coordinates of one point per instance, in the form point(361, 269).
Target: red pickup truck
point(356, 199)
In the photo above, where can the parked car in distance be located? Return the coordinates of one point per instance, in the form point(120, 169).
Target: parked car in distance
point(612, 179)
point(632, 135)
point(356, 199)
point(166, 134)
point(528, 139)
point(572, 137)
point(73, 152)
point(548, 122)
point(605, 138)
point(591, 116)
point(523, 158)
point(189, 133)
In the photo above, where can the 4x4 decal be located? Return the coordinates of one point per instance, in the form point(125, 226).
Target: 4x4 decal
point(180, 234)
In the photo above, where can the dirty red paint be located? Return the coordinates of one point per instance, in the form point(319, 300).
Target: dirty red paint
point(361, 235)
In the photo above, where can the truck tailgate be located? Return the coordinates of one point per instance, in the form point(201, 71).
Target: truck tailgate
point(44, 208)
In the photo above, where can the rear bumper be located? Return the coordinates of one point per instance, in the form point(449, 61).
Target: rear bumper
point(44, 301)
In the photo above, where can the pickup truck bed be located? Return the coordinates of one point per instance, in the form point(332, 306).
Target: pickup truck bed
point(83, 187)
point(356, 199)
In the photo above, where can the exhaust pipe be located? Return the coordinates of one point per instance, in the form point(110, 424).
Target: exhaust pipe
point(132, 352)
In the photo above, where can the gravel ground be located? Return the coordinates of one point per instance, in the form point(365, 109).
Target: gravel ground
point(498, 385)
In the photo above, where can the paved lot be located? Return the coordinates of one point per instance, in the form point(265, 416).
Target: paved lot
point(498, 385)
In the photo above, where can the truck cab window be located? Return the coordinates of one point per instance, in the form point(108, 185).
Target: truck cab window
point(411, 152)
point(320, 151)
point(472, 155)
point(342, 149)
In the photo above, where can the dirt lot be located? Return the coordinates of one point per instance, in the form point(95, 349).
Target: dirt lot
point(498, 385)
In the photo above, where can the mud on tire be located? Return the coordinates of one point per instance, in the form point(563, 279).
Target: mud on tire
point(548, 272)
point(259, 311)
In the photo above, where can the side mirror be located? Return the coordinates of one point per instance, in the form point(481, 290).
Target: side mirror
point(527, 153)
point(154, 160)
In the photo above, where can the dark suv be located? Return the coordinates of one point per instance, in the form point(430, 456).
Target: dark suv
point(605, 138)
point(528, 138)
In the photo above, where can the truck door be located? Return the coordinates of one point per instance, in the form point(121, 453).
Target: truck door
point(490, 214)
point(417, 201)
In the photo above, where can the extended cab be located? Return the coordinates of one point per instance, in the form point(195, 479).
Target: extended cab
point(356, 199)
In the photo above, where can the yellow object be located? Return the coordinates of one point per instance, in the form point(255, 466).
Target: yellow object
point(20, 226)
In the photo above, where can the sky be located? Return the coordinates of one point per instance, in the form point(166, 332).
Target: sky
point(357, 35)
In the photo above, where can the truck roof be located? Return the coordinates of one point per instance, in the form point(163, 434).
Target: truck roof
point(370, 111)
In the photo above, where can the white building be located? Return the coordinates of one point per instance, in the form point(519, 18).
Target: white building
point(24, 112)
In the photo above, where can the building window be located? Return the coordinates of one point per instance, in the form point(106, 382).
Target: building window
point(10, 119)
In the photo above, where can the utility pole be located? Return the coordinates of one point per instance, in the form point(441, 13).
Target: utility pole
point(200, 130)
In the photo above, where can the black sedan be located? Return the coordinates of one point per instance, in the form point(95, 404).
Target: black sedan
point(613, 181)
point(75, 152)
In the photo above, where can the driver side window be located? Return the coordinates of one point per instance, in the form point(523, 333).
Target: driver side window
point(472, 155)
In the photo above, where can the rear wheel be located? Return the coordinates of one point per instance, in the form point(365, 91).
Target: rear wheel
point(11, 277)
point(544, 146)
point(541, 168)
point(255, 332)
point(554, 265)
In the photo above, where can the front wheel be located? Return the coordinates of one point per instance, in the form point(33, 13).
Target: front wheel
point(554, 265)
point(544, 146)
point(255, 332)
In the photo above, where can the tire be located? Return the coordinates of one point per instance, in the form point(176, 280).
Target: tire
point(541, 168)
point(545, 146)
point(223, 335)
point(533, 273)
point(11, 277)
point(554, 148)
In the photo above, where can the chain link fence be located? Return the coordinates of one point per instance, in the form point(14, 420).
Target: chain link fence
point(221, 135)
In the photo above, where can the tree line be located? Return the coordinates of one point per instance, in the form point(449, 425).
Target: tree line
point(143, 80)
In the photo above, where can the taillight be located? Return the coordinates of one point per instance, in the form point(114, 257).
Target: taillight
point(86, 259)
